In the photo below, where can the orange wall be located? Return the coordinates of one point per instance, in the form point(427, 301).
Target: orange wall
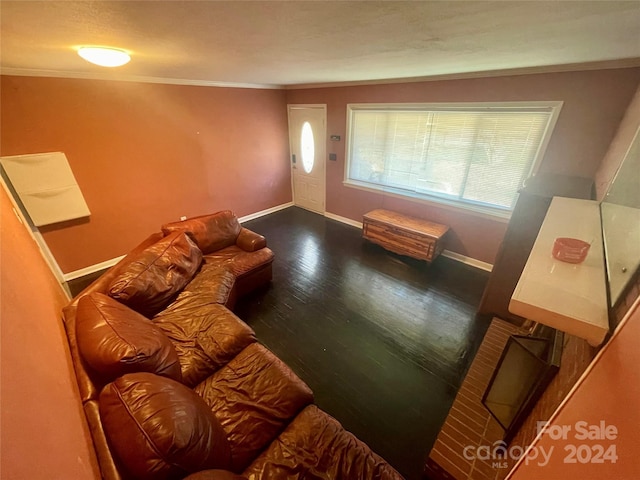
point(594, 104)
point(146, 154)
point(609, 393)
point(44, 434)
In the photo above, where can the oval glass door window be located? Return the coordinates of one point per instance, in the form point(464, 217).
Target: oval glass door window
point(307, 147)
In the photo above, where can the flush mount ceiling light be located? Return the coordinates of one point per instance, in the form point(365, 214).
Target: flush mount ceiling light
point(104, 56)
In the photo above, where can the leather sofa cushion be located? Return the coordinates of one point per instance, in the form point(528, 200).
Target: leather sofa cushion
point(253, 397)
point(160, 429)
point(114, 340)
point(213, 283)
point(101, 284)
point(157, 274)
point(215, 475)
point(206, 337)
point(210, 232)
point(315, 445)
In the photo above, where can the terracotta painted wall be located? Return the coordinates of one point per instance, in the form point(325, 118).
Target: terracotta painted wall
point(594, 104)
point(606, 399)
point(44, 434)
point(145, 154)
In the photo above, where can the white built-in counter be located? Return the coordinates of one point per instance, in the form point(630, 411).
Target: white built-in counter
point(568, 297)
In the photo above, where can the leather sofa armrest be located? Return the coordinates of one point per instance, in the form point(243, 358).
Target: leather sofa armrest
point(108, 464)
point(250, 241)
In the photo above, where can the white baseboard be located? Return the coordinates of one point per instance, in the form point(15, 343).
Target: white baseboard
point(354, 223)
point(487, 267)
point(348, 221)
point(446, 253)
point(110, 263)
point(91, 269)
point(262, 213)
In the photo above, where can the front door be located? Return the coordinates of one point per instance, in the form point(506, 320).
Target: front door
point(307, 140)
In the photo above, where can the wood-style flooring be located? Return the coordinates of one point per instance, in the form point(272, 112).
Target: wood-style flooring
point(383, 340)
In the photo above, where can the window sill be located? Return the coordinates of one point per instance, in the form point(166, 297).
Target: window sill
point(475, 210)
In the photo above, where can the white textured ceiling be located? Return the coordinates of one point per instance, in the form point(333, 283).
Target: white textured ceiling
point(313, 42)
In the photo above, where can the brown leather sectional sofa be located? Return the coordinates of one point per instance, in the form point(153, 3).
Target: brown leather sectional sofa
point(174, 385)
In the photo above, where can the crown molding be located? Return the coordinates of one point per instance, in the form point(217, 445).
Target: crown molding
point(26, 72)
point(570, 67)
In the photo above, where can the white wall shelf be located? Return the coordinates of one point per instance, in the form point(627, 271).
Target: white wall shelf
point(568, 297)
point(46, 186)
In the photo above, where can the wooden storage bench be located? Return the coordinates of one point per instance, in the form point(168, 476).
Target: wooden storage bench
point(404, 235)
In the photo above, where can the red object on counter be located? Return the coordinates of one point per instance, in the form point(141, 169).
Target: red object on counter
point(570, 250)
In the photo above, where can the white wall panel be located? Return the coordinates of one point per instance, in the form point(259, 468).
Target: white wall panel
point(46, 186)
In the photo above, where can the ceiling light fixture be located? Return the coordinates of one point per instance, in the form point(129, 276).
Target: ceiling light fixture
point(104, 56)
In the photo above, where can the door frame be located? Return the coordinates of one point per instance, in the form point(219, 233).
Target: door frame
point(322, 106)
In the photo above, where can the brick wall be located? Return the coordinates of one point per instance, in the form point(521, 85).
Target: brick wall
point(469, 423)
point(576, 357)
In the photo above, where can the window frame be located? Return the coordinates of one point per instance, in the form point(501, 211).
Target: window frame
point(553, 107)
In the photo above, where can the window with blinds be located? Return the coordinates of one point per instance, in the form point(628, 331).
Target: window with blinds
point(473, 155)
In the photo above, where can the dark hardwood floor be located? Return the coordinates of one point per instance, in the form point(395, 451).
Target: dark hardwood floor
point(383, 340)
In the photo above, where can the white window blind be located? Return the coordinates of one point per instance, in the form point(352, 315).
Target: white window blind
point(478, 155)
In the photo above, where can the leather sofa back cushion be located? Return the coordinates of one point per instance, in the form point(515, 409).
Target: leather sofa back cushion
point(157, 274)
point(115, 340)
point(160, 429)
point(215, 475)
point(210, 232)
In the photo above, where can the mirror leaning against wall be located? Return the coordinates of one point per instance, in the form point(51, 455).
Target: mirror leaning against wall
point(620, 213)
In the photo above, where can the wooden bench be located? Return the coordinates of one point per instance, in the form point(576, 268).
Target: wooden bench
point(404, 235)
